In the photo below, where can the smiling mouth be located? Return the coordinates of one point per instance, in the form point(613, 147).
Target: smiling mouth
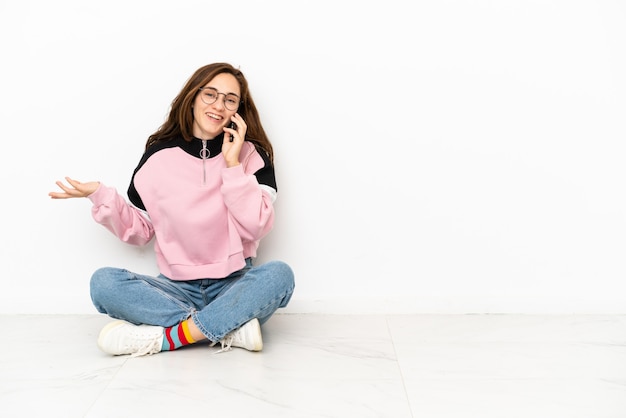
point(214, 116)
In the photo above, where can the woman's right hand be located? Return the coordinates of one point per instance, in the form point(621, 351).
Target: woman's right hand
point(75, 189)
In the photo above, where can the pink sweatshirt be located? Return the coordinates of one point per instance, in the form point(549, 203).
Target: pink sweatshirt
point(206, 218)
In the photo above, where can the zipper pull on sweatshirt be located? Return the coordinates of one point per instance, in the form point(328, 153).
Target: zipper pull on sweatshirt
point(204, 153)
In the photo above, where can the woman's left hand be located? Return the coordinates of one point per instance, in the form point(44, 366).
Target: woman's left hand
point(233, 140)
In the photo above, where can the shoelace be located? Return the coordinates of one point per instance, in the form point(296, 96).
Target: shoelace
point(147, 348)
point(226, 343)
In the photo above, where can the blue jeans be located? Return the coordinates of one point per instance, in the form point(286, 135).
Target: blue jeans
point(216, 306)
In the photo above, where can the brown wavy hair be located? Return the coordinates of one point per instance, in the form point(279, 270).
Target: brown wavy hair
point(180, 119)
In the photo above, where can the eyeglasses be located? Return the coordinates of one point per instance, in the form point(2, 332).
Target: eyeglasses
point(209, 96)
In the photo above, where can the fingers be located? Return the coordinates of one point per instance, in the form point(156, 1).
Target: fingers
point(56, 195)
point(76, 189)
point(241, 125)
point(237, 128)
point(73, 191)
point(74, 183)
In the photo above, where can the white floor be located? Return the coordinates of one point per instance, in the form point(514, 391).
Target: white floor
point(432, 366)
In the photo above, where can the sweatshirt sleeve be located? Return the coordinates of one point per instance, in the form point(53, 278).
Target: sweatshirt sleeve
point(250, 203)
point(129, 224)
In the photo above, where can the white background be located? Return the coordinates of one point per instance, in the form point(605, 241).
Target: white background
point(432, 156)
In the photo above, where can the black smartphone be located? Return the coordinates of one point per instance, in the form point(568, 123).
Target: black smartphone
point(232, 125)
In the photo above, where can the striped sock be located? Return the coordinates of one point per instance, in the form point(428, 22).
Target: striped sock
point(177, 336)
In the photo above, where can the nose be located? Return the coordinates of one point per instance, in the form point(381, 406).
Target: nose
point(220, 102)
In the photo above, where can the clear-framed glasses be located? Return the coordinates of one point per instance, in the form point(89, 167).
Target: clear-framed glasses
point(209, 96)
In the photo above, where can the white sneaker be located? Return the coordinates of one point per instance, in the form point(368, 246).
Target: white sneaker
point(248, 336)
point(121, 337)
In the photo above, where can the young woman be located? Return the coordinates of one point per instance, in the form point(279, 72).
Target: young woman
point(204, 190)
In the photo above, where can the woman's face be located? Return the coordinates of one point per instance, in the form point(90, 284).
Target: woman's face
point(209, 119)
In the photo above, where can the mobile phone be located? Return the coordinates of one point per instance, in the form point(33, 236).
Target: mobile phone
point(232, 125)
